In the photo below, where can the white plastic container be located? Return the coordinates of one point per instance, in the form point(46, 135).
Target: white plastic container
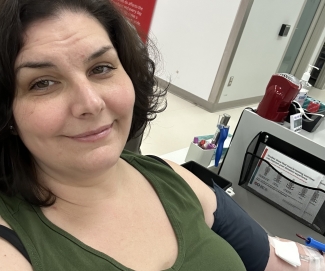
point(302, 95)
point(305, 86)
point(199, 155)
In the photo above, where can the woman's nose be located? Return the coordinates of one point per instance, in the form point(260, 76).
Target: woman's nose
point(87, 100)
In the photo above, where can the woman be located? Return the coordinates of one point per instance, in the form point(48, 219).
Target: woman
point(76, 84)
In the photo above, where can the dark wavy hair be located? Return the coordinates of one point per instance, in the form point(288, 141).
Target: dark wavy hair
point(18, 172)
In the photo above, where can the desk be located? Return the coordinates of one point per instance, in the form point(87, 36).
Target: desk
point(272, 219)
point(178, 156)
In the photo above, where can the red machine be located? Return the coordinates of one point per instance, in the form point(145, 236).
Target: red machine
point(280, 92)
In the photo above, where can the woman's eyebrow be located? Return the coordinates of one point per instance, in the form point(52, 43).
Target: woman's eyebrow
point(40, 65)
point(34, 65)
point(99, 53)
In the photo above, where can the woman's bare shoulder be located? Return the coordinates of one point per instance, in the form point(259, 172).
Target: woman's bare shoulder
point(10, 258)
point(205, 195)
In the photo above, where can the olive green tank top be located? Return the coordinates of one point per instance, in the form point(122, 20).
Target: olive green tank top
point(51, 249)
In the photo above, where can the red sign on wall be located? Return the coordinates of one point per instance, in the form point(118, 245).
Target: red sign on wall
point(139, 12)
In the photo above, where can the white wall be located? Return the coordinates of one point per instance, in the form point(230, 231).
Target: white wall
point(191, 36)
point(260, 49)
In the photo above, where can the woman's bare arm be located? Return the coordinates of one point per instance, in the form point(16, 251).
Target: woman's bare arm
point(204, 193)
point(10, 258)
point(208, 202)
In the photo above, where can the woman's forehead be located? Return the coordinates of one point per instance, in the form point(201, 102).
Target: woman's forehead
point(64, 34)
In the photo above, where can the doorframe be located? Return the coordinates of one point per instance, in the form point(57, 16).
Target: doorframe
point(212, 104)
point(229, 54)
point(309, 51)
point(320, 82)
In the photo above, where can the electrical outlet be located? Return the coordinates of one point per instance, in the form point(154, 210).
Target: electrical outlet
point(230, 192)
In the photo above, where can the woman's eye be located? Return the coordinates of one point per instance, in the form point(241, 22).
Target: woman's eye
point(102, 69)
point(42, 84)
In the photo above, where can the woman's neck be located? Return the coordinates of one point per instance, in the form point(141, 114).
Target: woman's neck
point(89, 191)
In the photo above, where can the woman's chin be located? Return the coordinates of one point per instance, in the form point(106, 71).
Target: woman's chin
point(101, 159)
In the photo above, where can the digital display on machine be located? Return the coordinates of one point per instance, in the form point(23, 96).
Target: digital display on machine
point(297, 123)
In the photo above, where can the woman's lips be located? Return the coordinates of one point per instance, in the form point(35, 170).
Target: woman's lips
point(93, 135)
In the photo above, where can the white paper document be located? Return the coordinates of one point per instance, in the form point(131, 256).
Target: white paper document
point(315, 203)
point(303, 202)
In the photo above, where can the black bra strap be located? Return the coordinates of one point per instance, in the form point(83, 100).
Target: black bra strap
point(13, 239)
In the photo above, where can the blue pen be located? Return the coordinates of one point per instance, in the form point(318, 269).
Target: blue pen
point(223, 136)
point(313, 243)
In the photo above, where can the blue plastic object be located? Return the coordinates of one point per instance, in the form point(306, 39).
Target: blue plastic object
point(315, 244)
point(223, 136)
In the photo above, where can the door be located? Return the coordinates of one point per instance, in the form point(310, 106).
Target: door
point(260, 49)
point(299, 36)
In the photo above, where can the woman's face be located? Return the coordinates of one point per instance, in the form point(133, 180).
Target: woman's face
point(74, 102)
